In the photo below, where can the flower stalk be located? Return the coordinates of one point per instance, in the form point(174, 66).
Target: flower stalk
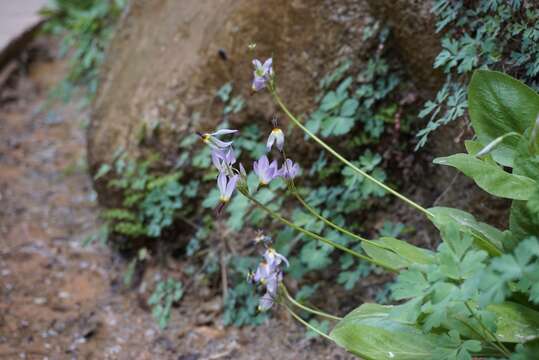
point(312, 234)
point(306, 308)
point(342, 159)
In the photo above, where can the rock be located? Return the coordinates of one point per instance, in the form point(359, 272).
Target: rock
point(167, 61)
point(414, 31)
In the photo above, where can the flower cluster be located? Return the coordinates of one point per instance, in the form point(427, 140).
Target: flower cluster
point(268, 274)
point(224, 159)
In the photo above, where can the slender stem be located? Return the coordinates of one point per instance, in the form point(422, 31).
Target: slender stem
point(332, 224)
point(306, 308)
point(298, 318)
point(314, 235)
point(343, 160)
point(500, 346)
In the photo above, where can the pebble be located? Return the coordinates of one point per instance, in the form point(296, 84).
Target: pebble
point(40, 300)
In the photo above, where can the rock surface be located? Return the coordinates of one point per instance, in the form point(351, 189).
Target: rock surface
point(414, 31)
point(169, 58)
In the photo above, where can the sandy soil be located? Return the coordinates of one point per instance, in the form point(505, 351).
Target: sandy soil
point(59, 300)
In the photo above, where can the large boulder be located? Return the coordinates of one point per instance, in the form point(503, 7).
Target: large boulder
point(169, 57)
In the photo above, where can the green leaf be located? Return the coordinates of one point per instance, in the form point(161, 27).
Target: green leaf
point(487, 237)
point(103, 170)
point(515, 323)
point(490, 177)
point(499, 104)
point(337, 125)
point(368, 332)
point(349, 107)
point(522, 223)
point(331, 101)
point(397, 254)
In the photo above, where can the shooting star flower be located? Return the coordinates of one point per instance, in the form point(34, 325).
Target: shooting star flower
point(265, 171)
point(262, 74)
point(276, 137)
point(274, 259)
point(212, 140)
point(223, 159)
point(289, 170)
point(269, 274)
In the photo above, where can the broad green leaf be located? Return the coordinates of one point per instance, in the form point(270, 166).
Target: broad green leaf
point(473, 146)
point(385, 257)
point(397, 254)
point(487, 237)
point(491, 178)
point(370, 333)
point(515, 323)
point(499, 104)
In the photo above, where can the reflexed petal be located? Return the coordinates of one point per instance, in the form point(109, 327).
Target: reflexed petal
point(224, 132)
point(273, 258)
point(263, 162)
point(257, 63)
point(230, 157)
point(216, 157)
point(268, 66)
point(280, 140)
point(271, 140)
point(262, 272)
point(265, 302)
point(231, 186)
point(289, 170)
point(219, 144)
point(221, 183)
point(272, 283)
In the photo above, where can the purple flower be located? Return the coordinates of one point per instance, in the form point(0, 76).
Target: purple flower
point(274, 259)
point(223, 159)
point(226, 186)
point(269, 274)
point(265, 171)
point(212, 140)
point(262, 74)
point(276, 137)
point(289, 170)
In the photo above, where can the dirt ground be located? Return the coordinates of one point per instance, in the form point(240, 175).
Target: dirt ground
point(59, 300)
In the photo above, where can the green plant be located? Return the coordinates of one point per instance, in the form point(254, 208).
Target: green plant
point(371, 90)
point(150, 201)
point(86, 27)
point(500, 35)
point(166, 293)
point(476, 295)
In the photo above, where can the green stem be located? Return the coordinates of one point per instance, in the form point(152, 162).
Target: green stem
point(313, 235)
point(306, 308)
point(500, 346)
point(298, 318)
point(343, 160)
point(332, 224)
